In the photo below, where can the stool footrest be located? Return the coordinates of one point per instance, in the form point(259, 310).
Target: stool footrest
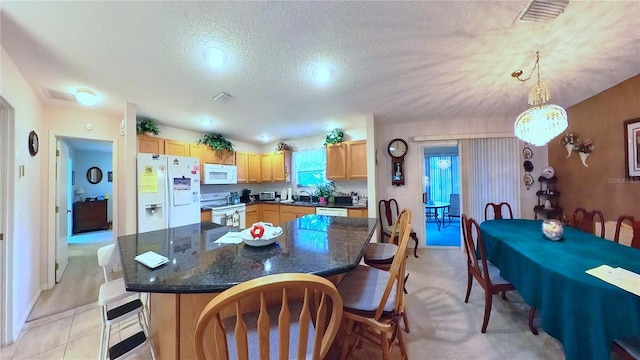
point(124, 309)
point(127, 345)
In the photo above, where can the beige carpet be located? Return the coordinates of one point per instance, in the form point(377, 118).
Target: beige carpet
point(79, 285)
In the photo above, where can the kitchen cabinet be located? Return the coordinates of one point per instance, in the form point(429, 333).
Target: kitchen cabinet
point(197, 150)
point(292, 212)
point(150, 144)
point(347, 160)
point(252, 214)
point(177, 148)
point(266, 168)
point(90, 215)
point(360, 213)
point(223, 157)
point(271, 213)
point(254, 168)
point(205, 216)
point(242, 163)
point(276, 166)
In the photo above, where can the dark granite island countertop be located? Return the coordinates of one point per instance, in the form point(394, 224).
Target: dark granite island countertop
point(316, 244)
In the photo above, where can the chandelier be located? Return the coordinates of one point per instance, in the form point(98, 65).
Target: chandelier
point(542, 122)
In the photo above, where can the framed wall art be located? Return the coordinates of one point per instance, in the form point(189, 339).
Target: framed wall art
point(632, 148)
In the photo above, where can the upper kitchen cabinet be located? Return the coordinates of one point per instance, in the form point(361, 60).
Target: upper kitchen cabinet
point(150, 144)
point(223, 157)
point(276, 166)
point(177, 148)
point(242, 163)
point(347, 160)
point(254, 172)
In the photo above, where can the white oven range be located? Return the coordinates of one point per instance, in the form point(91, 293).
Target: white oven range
point(222, 212)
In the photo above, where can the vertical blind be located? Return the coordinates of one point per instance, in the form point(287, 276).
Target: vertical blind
point(490, 173)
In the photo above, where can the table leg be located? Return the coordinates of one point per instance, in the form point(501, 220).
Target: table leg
point(436, 218)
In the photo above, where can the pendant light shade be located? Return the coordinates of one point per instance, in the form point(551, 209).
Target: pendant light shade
point(541, 123)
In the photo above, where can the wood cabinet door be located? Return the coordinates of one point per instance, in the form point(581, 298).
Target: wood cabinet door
point(242, 163)
point(271, 214)
point(197, 151)
point(281, 166)
point(252, 214)
point(360, 213)
point(150, 144)
point(357, 160)
point(225, 157)
point(287, 216)
point(267, 168)
point(336, 161)
point(255, 168)
point(177, 148)
point(205, 216)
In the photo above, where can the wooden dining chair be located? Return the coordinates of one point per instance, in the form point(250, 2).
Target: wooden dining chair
point(497, 210)
point(388, 212)
point(585, 221)
point(374, 302)
point(281, 316)
point(635, 227)
point(627, 348)
point(481, 269)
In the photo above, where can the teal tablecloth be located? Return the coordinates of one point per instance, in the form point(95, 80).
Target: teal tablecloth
point(585, 313)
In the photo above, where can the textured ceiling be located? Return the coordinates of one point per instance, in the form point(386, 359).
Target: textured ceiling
point(400, 61)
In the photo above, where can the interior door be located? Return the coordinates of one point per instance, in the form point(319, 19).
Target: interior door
point(64, 208)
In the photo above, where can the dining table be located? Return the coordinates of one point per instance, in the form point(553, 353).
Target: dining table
point(203, 261)
point(583, 312)
point(433, 208)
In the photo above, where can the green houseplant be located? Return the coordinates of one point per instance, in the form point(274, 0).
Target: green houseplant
point(334, 136)
point(147, 125)
point(325, 191)
point(216, 141)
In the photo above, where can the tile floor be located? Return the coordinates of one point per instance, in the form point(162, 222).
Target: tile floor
point(70, 335)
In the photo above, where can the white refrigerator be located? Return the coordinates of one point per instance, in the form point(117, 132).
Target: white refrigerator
point(168, 191)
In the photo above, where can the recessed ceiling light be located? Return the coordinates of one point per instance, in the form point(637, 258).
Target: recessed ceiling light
point(322, 74)
point(215, 57)
point(86, 97)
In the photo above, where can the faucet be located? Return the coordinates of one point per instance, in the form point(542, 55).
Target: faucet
point(305, 192)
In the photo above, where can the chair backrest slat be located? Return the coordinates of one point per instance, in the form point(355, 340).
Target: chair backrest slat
point(402, 227)
point(586, 221)
point(253, 299)
point(497, 210)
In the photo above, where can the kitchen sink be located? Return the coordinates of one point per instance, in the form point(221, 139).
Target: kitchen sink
point(310, 203)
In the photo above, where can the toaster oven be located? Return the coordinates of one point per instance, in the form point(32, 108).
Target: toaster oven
point(267, 195)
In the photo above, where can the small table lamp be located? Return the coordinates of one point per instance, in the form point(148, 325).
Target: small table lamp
point(80, 192)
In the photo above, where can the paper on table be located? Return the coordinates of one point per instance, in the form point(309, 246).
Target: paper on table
point(619, 277)
point(151, 259)
point(230, 238)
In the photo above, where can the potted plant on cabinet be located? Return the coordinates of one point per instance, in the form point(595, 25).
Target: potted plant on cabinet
point(147, 127)
point(334, 136)
point(325, 191)
point(216, 142)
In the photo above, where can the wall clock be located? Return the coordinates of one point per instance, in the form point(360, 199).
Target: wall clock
point(397, 149)
point(34, 144)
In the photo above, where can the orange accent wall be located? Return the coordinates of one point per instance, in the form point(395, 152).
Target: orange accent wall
point(602, 185)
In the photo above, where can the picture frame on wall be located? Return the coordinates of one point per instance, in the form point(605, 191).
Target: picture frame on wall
point(110, 176)
point(632, 148)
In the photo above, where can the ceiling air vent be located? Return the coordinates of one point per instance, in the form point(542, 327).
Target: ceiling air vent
point(223, 97)
point(544, 11)
point(59, 95)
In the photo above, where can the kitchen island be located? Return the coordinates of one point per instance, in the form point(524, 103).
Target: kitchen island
point(199, 267)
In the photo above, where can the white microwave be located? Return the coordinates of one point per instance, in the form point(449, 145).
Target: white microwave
point(220, 174)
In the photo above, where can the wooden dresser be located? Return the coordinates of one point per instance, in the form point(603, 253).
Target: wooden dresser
point(89, 216)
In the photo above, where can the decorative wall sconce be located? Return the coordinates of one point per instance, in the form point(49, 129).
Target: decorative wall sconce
point(584, 147)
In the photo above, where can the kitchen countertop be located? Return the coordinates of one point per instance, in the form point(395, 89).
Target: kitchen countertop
point(311, 204)
point(314, 244)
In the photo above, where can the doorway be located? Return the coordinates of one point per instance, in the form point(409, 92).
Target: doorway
point(6, 217)
point(441, 194)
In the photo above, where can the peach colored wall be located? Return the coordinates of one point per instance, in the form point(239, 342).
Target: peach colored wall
point(602, 185)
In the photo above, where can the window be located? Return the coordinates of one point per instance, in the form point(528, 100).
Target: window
point(309, 167)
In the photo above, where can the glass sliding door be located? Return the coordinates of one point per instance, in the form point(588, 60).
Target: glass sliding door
point(441, 195)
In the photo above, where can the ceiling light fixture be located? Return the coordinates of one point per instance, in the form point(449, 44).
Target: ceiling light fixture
point(542, 122)
point(86, 97)
point(216, 57)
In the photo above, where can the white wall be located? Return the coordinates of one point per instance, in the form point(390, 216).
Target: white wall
point(410, 195)
point(26, 241)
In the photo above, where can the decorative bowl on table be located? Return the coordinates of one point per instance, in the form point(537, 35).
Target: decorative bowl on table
point(260, 234)
point(552, 229)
